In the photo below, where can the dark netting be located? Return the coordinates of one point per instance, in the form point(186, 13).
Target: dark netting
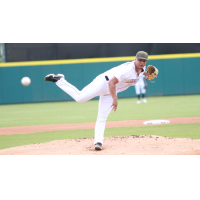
point(56, 51)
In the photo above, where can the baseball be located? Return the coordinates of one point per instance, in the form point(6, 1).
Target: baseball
point(26, 81)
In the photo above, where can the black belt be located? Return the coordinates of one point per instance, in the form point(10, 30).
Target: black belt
point(106, 78)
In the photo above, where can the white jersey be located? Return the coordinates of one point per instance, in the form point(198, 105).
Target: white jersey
point(126, 75)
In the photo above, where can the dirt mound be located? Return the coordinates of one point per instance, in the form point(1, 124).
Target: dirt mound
point(130, 145)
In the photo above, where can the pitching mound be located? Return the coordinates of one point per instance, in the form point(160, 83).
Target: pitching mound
point(130, 145)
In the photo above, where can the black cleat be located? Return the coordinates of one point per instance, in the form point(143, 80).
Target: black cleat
point(53, 78)
point(98, 146)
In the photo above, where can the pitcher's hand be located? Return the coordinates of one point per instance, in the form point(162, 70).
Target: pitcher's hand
point(114, 104)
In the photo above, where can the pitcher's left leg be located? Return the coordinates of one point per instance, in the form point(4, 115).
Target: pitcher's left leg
point(105, 103)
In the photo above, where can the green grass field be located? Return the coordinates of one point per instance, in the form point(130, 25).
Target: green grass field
point(72, 112)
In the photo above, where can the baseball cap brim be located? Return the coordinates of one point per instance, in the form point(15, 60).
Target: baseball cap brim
point(142, 58)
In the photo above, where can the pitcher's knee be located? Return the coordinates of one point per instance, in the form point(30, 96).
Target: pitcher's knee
point(80, 100)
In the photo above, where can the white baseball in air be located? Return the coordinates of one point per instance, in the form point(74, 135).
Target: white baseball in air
point(26, 81)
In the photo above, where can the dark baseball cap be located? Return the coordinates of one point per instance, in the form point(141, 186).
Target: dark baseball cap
point(142, 55)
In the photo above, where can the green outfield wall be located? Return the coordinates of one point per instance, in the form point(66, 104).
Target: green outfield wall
point(178, 75)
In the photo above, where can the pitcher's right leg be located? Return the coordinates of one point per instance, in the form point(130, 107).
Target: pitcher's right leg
point(95, 88)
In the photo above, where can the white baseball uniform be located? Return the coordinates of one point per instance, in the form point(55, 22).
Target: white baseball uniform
point(126, 75)
point(139, 86)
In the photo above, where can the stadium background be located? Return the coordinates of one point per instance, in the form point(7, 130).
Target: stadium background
point(178, 66)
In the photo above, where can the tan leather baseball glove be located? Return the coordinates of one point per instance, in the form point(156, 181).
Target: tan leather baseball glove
point(152, 72)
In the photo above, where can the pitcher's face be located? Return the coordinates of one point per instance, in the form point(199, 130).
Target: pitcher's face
point(140, 63)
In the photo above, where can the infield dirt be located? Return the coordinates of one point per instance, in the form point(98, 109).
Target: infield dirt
point(131, 145)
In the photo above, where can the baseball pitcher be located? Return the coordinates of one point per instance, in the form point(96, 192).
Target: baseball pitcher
point(107, 85)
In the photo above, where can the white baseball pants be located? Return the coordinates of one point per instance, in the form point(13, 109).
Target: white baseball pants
point(140, 86)
point(98, 87)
